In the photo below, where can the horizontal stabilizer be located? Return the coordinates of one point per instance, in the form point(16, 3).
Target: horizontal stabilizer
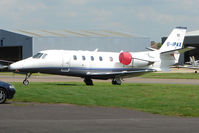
point(151, 49)
point(182, 50)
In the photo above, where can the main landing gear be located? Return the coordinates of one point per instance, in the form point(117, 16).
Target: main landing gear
point(88, 81)
point(116, 81)
point(26, 82)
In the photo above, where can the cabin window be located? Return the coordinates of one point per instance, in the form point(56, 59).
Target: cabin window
point(83, 58)
point(100, 58)
point(74, 57)
point(37, 56)
point(111, 59)
point(44, 56)
point(92, 58)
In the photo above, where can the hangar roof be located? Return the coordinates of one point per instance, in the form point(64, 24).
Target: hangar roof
point(193, 33)
point(71, 33)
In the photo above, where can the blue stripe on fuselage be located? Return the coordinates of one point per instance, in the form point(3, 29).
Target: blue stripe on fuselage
point(77, 71)
point(83, 68)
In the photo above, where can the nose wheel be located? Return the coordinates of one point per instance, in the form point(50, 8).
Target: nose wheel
point(26, 82)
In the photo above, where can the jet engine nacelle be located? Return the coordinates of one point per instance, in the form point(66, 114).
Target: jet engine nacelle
point(140, 63)
point(126, 59)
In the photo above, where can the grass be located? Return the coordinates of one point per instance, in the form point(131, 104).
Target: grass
point(171, 75)
point(164, 99)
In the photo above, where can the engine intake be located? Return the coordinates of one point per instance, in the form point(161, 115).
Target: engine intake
point(125, 58)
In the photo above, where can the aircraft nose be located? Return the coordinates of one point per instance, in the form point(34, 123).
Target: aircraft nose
point(15, 66)
point(12, 67)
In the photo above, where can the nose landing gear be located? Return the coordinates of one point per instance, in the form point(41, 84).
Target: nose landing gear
point(26, 82)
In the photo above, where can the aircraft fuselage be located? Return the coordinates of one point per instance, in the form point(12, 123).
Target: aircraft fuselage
point(80, 63)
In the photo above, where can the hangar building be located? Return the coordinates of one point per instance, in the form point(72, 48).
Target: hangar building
point(19, 44)
point(191, 39)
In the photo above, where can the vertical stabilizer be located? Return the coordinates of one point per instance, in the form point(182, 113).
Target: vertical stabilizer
point(174, 40)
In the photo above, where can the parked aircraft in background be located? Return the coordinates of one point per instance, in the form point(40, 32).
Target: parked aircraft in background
point(4, 64)
point(104, 65)
point(192, 64)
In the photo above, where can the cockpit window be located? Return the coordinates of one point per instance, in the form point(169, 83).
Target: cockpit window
point(44, 56)
point(38, 55)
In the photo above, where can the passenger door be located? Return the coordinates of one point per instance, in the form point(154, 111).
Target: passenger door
point(65, 63)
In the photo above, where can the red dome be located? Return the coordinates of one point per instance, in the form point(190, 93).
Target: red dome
point(125, 58)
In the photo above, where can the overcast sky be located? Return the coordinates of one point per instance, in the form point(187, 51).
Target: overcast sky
point(151, 18)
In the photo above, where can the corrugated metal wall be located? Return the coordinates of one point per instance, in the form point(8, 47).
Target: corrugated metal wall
point(33, 44)
point(113, 44)
point(14, 39)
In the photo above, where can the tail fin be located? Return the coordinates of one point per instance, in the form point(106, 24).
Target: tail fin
point(193, 61)
point(171, 49)
point(174, 40)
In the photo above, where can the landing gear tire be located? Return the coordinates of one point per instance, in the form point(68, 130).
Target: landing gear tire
point(116, 82)
point(26, 82)
point(196, 71)
point(3, 96)
point(88, 81)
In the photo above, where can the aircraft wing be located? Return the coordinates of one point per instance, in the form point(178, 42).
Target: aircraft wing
point(182, 50)
point(120, 74)
point(193, 67)
point(190, 67)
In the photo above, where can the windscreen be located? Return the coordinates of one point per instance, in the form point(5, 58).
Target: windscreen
point(37, 56)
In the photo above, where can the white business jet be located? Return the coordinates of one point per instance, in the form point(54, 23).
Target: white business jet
point(104, 65)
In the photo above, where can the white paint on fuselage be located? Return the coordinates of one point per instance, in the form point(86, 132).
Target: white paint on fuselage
point(110, 60)
point(53, 59)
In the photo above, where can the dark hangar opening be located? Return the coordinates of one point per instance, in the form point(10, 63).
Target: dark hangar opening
point(11, 53)
point(194, 52)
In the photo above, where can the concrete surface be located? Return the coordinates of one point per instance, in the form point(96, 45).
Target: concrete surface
point(63, 118)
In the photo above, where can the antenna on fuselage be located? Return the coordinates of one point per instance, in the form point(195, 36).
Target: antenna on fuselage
point(96, 50)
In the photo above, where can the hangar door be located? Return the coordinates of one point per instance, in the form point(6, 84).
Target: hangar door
point(194, 52)
point(11, 53)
